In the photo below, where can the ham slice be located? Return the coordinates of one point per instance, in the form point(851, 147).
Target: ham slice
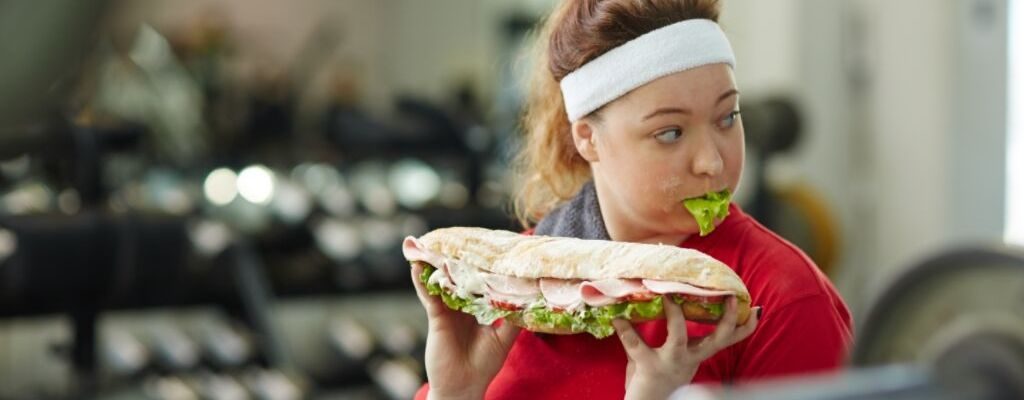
point(608, 291)
point(511, 285)
point(666, 287)
point(561, 293)
point(509, 289)
point(451, 278)
point(413, 250)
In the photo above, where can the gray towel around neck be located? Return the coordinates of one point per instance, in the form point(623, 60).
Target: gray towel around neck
point(578, 218)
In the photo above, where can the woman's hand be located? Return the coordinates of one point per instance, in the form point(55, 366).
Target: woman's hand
point(462, 356)
point(656, 373)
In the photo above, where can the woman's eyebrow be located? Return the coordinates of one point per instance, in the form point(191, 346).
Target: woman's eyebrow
point(727, 94)
point(677, 110)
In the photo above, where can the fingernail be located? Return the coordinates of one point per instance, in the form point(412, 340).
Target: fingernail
point(759, 312)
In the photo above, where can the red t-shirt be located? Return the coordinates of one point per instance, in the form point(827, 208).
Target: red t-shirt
point(805, 327)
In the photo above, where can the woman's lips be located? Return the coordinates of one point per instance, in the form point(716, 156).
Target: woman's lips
point(704, 194)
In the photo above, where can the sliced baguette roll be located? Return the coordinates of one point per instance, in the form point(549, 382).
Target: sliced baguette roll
point(534, 257)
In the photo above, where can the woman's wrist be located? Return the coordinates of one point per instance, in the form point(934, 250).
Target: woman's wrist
point(467, 393)
point(658, 390)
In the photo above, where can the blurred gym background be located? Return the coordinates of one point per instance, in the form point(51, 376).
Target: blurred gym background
point(204, 199)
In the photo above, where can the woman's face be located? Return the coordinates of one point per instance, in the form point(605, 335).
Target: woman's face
point(674, 138)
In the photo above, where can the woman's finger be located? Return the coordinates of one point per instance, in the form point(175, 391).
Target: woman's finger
point(630, 368)
point(635, 347)
point(746, 329)
point(677, 336)
point(723, 332)
point(506, 332)
point(698, 346)
point(432, 304)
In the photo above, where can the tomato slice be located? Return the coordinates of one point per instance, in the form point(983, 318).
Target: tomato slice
point(504, 305)
point(639, 296)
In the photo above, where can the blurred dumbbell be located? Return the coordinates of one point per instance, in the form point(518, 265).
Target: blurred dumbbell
point(224, 346)
point(267, 384)
point(167, 388)
point(213, 386)
point(173, 350)
point(398, 377)
point(123, 354)
point(401, 339)
point(352, 343)
point(384, 264)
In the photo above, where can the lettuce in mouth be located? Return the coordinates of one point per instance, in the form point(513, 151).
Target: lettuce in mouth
point(596, 321)
point(709, 208)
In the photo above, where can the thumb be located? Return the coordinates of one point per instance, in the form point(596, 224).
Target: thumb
point(630, 368)
point(432, 304)
point(506, 332)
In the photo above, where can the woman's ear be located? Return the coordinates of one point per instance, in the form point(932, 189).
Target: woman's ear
point(585, 138)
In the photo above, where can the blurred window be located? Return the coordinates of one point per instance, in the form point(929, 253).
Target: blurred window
point(1015, 139)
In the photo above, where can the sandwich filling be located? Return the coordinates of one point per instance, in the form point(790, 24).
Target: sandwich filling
point(574, 305)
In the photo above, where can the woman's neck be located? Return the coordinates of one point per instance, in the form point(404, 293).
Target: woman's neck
point(668, 239)
point(622, 229)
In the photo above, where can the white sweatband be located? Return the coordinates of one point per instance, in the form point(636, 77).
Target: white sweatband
point(664, 51)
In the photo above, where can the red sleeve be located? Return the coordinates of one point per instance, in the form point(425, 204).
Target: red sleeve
point(422, 393)
point(805, 336)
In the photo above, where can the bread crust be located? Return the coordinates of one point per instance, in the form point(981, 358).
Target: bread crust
point(523, 256)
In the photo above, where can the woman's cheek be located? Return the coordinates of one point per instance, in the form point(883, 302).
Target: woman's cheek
point(734, 171)
point(669, 206)
point(734, 161)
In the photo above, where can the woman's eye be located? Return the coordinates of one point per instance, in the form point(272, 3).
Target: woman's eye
point(729, 120)
point(669, 136)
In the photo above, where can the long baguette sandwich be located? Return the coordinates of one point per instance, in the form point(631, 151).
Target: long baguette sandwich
point(565, 285)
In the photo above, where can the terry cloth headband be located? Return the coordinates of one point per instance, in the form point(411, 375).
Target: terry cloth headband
point(664, 51)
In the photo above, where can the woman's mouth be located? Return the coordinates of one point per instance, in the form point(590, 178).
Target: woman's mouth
point(709, 194)
point(708, 208)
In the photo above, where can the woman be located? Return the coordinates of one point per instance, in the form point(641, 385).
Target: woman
point(633, 109)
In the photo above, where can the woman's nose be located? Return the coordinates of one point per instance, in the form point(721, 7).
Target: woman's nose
point(707, 160)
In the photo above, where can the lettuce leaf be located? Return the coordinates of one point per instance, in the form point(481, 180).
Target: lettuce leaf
point(478, 307)
point(649, 309)
point(432, 288)
point(556, 319)
point(709, 208)
point(428, 270)
point(599, 321)
point(455, 302)
point(485, 314)
point(596, 321)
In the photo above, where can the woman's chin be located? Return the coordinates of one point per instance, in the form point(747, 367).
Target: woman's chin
point(685, 226)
